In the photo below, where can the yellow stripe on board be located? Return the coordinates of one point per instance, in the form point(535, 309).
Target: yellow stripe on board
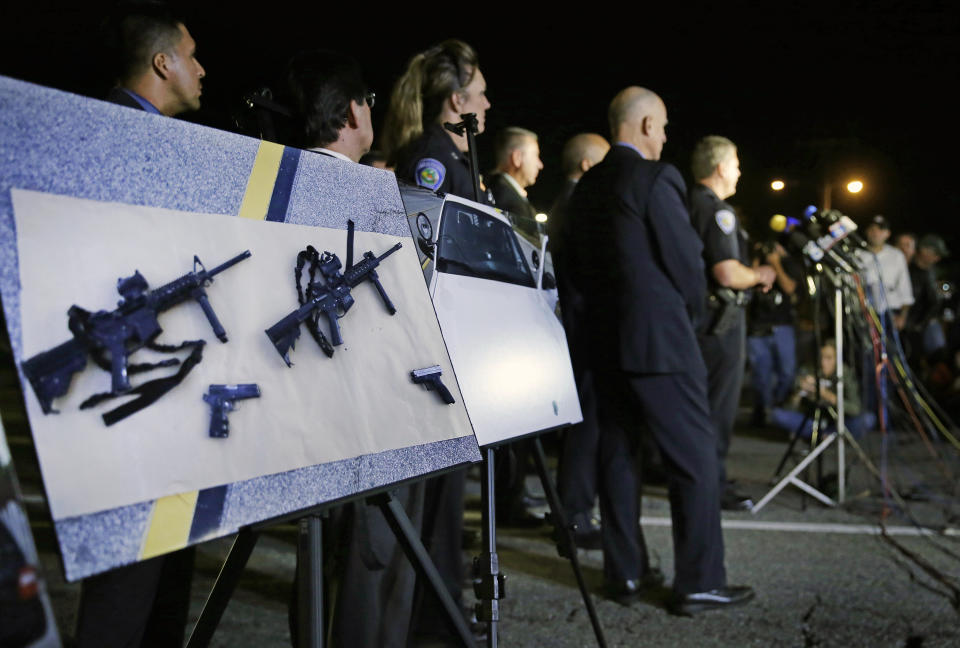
point(256, 199)
point(169, 525)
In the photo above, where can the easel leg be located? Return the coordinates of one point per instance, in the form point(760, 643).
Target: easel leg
point(310, 582)
point(486, 566)
point(223, 589)
point(409, 539)
point(566, 537)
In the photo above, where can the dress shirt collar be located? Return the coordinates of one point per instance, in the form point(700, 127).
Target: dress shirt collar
point(631, 146)
point(146, 105)
point(513, 183)
point(331, 153)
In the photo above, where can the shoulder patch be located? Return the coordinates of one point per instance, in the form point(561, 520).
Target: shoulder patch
point(430, 173)
point(726, 221)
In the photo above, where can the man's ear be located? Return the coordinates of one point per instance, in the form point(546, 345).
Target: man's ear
point(353, 114)
point(516, 158)
point(585, 165)
point(646, 125)
point(159, 63)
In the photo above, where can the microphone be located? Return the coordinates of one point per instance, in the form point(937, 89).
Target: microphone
point(805, 237)
point(794, 238)
point(842, 228)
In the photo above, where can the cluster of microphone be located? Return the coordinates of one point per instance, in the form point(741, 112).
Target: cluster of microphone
point(827, 237)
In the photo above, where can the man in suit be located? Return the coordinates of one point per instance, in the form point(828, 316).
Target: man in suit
point(578, 468)
point(156, 57)
point(517, 154)
point(331, 106)
point(637, 263)
point(145, 604)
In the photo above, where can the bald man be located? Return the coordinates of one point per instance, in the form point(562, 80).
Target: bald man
point(578, 470)
point(638, 265)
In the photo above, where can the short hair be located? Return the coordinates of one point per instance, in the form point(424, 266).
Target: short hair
point(509, 140)
point(320, 85)
point(134, 32)
point(708, 153)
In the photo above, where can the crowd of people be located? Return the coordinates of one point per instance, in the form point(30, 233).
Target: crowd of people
point(665, 298)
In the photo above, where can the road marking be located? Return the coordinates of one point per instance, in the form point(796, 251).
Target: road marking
point(813, 527)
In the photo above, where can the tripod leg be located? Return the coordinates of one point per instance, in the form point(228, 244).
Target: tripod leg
point(409, 539)
point(310, 582)
point(489, 586)
point(566, 538)
point(794, 438)
point(223, 589)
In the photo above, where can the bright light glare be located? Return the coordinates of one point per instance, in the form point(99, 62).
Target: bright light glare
point(541, 218)
point(777, 185)
point(854, 186)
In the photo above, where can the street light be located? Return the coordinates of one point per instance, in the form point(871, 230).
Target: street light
point(853, 186)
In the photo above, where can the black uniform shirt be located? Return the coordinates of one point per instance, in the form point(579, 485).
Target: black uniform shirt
point(434, 161)
point(717, 226)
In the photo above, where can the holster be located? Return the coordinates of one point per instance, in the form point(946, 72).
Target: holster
point(723, 308)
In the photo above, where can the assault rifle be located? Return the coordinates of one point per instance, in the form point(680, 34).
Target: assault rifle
point(109, 337)
point(331, 297)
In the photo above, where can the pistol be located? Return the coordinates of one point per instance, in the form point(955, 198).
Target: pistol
point(221, 399)
point(429, 377)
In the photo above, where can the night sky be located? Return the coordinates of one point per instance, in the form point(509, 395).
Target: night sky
point(806, 91)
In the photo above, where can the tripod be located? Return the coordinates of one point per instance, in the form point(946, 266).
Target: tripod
point(311, 629)
point(842, 436)
point(489, 581)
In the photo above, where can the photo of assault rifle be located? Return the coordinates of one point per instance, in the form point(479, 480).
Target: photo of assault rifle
point(110, 337)
point(330, 297)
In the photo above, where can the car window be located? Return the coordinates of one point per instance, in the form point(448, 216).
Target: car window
point(475, 244)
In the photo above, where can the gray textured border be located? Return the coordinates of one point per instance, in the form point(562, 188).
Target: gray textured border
point(65, 144)
point(82, 538)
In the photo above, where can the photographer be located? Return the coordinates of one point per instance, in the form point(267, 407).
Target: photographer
point(771, 336)
point(798, 410)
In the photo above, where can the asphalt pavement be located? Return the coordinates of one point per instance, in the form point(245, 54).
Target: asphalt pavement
point(824, 576)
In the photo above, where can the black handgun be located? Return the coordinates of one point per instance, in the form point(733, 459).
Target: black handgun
point(221, 399)
point(429, 377)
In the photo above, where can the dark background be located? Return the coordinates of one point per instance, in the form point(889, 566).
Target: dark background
point(808, 92)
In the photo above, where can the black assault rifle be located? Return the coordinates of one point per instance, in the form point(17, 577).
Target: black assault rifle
point(331, 297)
point(109, 337)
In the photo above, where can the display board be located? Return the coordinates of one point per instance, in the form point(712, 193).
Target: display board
point(506, 342)
point(135, 192)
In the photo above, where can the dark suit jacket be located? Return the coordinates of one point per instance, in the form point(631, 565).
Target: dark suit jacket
point(637, 262)
point(508, 199)
point(118, 96)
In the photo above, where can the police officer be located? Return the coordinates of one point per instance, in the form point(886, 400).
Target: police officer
point(438, 86)
point(716, 170)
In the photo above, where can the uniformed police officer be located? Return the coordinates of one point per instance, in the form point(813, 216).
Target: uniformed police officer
point(439, 85)
point(716, 170)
